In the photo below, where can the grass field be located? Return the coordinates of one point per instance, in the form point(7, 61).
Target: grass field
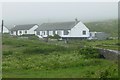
point(28, 58)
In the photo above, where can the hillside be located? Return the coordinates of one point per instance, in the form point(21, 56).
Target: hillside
point(108, 26)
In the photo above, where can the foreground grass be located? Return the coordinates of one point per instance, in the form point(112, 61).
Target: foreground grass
point(24, 58)
point(72, 72)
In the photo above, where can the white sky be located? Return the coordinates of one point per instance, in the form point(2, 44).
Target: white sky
point(0, 13)
point(39, 12)
point(59, 0)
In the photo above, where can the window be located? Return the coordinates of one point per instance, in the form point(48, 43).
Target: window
point(95, 34)
point(84, 32)
point(38, 33)
point(20, 32)
point(66, 32)
point(90, 34)
point(50, 32)
point(11, 32)
point(53, 32)
point(47, 32)
point(59, 32)
point(25, 32)
point(43, 32)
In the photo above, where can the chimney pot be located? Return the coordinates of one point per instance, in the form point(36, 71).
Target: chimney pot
point(76, 21)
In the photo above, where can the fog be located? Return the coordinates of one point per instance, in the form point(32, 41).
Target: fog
point(37, 13)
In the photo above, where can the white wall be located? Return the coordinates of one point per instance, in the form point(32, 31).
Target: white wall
point(51, 33)
point(5, 30)
point(31, 31)
point(23, 32)
point(44, 35)
point(92, 34)
point(41, 33)
point(35, 32)
point(59, 32)
point(62, 33)
point(77, 31)
point(13, 33)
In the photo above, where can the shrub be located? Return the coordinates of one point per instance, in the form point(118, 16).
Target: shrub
point(33, 38)
point(118, 44)
point(89, 52)
point(7, 52)
point(51, 37)
point(54, 37)
point(27, 35)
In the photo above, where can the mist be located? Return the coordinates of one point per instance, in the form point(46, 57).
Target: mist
point(39, 12)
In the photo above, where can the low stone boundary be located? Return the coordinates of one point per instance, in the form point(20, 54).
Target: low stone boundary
point(109, 54)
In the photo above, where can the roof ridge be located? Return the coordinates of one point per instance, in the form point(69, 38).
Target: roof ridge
point(60, 22)
point(23, 27)
point(26, 24)
point(57, 25)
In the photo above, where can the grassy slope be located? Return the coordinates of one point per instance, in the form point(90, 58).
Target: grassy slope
point(23, 58)
point(109, 26)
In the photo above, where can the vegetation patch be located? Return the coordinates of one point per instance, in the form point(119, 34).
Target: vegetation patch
point(89, 52)
point(24, 58)
point(8, 52)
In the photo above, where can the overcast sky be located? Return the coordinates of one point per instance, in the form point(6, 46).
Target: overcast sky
point(37, 13)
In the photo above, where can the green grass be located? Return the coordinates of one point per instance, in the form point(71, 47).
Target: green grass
point(107, 44)
point(72, 72)
point(24, 58)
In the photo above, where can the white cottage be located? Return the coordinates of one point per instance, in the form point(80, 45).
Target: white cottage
point(23, 29)
point(5, 29)
point(73, 29)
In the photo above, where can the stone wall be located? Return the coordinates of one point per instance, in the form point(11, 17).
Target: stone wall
point(109, 54)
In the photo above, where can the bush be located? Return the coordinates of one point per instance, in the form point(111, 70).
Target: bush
point(54, 37)
point(51, 37)
point(118, 44)
point(27, 35)
point(89, 52)
point(7, 52)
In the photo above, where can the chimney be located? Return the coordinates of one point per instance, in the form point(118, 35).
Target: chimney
point(76, 21)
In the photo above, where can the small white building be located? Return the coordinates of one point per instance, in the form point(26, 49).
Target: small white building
point(5, 29)
point(73, 29)
point(98, 35)
point(23, 29)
